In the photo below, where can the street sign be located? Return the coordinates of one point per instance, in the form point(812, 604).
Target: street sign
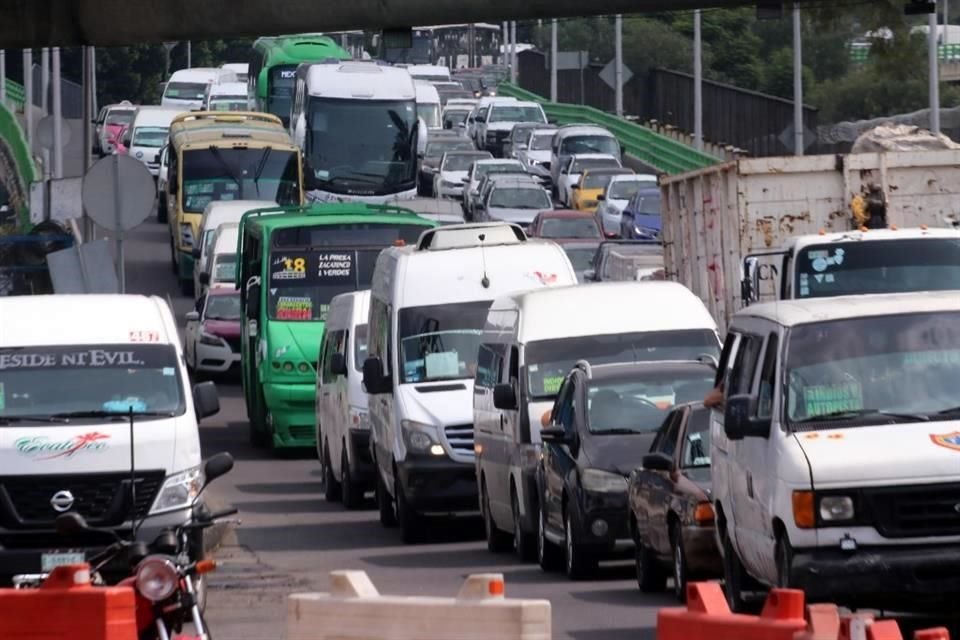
point(609, 74)
point(45, 132)
point(118, 193)
point(169, 46)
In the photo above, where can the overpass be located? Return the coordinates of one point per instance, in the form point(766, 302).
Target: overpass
point(44, 23)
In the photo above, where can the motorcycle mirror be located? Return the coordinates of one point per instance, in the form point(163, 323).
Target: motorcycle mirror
point(218, 465)
point(68, 523)
point(137, 552)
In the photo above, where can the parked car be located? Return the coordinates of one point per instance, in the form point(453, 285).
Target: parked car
point(453, 169)
point(212, 342)
point(565, 224)
point(672, 520)
point(516, 201)
point(620, 190)
point(585, 195)
point(437, 145)
point(641, 217)
point(574, 167)
point(602, 423)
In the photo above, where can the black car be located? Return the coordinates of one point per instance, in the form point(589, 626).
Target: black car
point(602, 424)
point(437, 145)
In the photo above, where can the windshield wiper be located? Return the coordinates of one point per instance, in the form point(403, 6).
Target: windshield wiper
point(47, 419)
point(944, 412)
point(850, 414)
point(260, 167)
point(226, 165)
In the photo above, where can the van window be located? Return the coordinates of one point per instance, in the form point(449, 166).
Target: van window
point(767, 376)
point(50, 382)
point(359, 346)
point(745, 365)
point(489, 365)
point(440, 342)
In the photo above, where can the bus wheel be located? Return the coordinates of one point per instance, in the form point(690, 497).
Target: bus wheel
point(258, 418)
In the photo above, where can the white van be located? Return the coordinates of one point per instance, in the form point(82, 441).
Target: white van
point(72, 367)
point(218, 267)
point(186, 88)
point(530, 342)
point(427, 309)
point(216, 213)
point(836, 462)
point(429, 72)
point(226, 96)
point(428, 104)
point(343, 425)
point(573, 139)
point(476, 121)
point(240, 69)
point(151, 126)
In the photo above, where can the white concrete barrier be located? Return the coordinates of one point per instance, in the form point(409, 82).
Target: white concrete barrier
point(354, 609)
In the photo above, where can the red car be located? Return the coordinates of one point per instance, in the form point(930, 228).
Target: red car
point(565, 225)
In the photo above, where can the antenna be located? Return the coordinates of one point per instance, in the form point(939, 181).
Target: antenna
point(133, 476)
point(485, 280)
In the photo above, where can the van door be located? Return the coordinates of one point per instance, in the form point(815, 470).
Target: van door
point(488, 421)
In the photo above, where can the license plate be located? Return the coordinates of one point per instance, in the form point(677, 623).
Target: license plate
point(49, 561)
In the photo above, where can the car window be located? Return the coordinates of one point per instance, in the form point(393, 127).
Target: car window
point(696, 440)
point(745, 364)
point(767, 377)
point(668, 445)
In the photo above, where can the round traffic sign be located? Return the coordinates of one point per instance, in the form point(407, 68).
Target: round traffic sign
point(45, 132)
point(118, 192)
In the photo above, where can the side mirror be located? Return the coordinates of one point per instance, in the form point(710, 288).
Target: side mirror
point(738, 420)
point(555, 435)
point(192, 316)
point(750, 280)
point(658, 462)
point(218, 465)
point(590, 274)
point(204, 278)
point(205, 399)
point(196, 252)
point(504, 397)
point(338, 364)
point(253, 301)
point(373, 379)
point(601, 197)
point(70, 523)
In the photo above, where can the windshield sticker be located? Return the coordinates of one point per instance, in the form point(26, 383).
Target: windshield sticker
point(442, 365)
point(144, 336)
point(289, 268)
point(294, 308)
point(77, 358)
point(169, 371)
point(824, 399)
point(551, 384)
point(125, 406)
point(43, 448)
point(947, 440)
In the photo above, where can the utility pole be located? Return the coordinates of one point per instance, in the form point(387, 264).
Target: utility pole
point(189, 54)
point(45, 81)
point(88, 115)
point(513, 52)
point(3, 77)
point(93, 79)
point(553, 60)
point(505, 39)
point(697, 81)
point(57, 117)
point(934, 74)
point(618, 63)
point(797, 82)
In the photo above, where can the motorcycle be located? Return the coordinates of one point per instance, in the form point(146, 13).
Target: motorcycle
point(165, 579)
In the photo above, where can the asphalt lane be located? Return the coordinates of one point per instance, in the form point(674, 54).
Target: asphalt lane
point(290, 538)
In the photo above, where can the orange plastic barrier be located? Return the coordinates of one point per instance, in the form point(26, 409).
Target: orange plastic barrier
point(68, 606)
point(784, 617)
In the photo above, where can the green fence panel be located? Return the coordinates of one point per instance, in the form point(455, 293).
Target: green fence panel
point(16, 94)
point(15, 149)
point(648, 146)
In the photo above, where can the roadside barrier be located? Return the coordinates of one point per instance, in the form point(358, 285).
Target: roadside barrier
point(355, 609)
point(67, 605)
point(784, 617)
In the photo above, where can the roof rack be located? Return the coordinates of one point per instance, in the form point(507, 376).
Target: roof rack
point(463, 236)
point(228, 117)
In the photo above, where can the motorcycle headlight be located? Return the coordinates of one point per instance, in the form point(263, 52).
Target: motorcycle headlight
point(420, 437)
point(210, 340)
point(186, 234)
point(157, 578)
point(178, 491)
point(598, 481)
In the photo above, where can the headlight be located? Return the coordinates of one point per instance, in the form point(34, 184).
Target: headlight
point(598, 481)
point(157, 578)
point(836, 508)
point(211, 340)
point(179, 491)
point(647, 232)
point(186, 234)
point(420, 437)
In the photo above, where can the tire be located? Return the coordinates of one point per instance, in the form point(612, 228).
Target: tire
point(734, 577)
point(523, 543)
point(784, 555)
point(548, 555)
point(411, 524)
point(651, 577)
point(579, 564)
point(161, 209)
point(350, 493)
point(388, 519)
point(681, 572)
point(259, 436)
point(497, 540)
point(331, 488)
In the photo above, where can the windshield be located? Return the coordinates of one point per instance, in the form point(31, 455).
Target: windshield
point(585, 227)
point(510, 113)
point(648, 205)
point(696, 442)
point(430, 112)
point(153, 137)
point(497, 167)
point(541, 142)
point(584, 164)
point(878, 266)
point(362, 147)
point(359, 346)
point(590, 144)
point(185, 90)
point(626, 189)
point(119, 117)
point(224, 173)
point(580, 257)
point(437, 148)
point(519, 198)
point(280, 85)
point(225, 268)
point(42, 381)
point(549, 361)
point(229, 103)
point(461, 161)
point(597, 179)
point(440, 342)
point(900, 363)
point(222, 307)
point(311, 265)
point(638, 403)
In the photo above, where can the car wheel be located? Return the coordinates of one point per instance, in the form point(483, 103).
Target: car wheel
point(388, 518)
point(651, 577)
point(734, 577)
point(350, 493)
point(331, 488)
point(548, 555)
point(411, 524)
point(784, 555)
point(579, 563)
point(497, 540)
point(522, 542)
point(680, 571)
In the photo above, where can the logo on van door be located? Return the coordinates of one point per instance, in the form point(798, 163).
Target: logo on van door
point(43, 448)
point(947, 440)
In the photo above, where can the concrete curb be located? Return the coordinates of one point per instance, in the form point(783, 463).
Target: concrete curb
point(221, 533)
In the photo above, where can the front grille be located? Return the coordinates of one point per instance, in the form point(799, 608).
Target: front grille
point(302, 432)
point(54, 540)
point(916, 511)
point(234, 344)
point(103, 499)
point(460, 437)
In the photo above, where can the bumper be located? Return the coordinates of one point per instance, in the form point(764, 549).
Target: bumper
point(453, 193)
point(928, 575)
point(703, 557)
point(611, 509)
point(185, 264)
point(361, 469)
point(438, 484)
point(215, 359)
point(291, 414)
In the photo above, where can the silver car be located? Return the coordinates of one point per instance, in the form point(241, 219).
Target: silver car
point(516, 201)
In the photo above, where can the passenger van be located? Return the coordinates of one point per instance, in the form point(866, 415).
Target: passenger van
point(218, 268)
point(151, 126)
point(574, 139)
point(428, 104)
point(66, 393)
point(186, 88)
point(343, 426)
point(428, 306)
point(530, 342)
point(218, 212)
point(226, 96)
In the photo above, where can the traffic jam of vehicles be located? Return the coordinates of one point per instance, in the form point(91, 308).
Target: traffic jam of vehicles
point(759, 391)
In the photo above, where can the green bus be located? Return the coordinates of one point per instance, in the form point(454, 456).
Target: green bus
point(292, 262)
point(273, 64)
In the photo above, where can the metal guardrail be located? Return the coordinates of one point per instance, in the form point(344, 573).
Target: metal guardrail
point(16, 94)
point(661, 152)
